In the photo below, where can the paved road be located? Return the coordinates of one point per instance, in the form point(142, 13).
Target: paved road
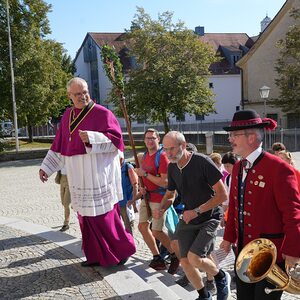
point(29, 265)
point(35, 268)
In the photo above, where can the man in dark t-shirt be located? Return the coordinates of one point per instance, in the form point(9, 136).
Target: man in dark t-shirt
point(199, 183)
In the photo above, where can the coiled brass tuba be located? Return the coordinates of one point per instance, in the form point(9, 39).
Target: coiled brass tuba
point(257, 261)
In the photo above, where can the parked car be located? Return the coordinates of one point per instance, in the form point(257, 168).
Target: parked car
point(6, 128)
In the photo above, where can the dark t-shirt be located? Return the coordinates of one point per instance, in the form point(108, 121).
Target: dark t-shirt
point(194, 183)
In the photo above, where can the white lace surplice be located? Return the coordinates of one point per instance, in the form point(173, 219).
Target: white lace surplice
point(94, 178)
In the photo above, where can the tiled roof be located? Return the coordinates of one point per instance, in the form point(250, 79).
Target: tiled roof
point(227, 39)
point(230, 41)
point(112, 39)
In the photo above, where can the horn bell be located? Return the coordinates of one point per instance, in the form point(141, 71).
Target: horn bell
point(257, 261)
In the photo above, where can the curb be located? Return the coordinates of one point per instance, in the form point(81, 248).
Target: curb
point(24, 154)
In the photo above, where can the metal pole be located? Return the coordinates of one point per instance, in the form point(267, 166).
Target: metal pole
point(12, 79)
point(265, 146)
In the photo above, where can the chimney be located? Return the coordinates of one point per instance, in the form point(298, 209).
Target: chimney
point(199, 30)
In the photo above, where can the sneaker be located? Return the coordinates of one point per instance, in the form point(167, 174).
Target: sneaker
point(223, 287)
point(210, 286)
point(208, 298)
point(183, 281)
point(174, 265)
point(157, 264)
point(64, 228)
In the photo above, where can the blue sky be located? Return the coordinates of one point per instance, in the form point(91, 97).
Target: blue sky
point(70, 20)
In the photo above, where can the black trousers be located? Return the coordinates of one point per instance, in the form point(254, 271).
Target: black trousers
point(256, 291)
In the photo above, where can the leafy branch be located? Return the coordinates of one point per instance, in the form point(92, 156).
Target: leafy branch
point(113, 68)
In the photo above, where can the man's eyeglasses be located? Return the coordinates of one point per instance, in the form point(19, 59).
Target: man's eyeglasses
point(234, 135)
point(79, 94)
point(150, 138)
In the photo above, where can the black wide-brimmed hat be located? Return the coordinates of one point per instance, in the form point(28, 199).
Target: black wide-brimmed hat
point(244, 119)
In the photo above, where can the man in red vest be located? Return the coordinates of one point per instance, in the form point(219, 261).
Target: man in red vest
point(264, 200)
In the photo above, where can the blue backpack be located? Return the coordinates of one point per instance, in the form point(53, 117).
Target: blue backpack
point(126, 184)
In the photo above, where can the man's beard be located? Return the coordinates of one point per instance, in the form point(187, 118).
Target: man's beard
point(177, 157)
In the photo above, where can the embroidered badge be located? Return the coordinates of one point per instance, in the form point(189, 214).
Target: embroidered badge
point(262, 184)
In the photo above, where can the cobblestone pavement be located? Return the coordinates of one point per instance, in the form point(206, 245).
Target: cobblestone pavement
point(34, 268)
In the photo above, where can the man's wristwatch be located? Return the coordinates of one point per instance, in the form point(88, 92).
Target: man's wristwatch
point(145, 174)
point(197, 210)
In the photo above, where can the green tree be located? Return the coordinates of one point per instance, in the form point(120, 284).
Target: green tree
point(172, 66)
point(41, 65)
point(288, 68)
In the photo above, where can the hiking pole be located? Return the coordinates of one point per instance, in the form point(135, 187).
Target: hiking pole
point(113, 69)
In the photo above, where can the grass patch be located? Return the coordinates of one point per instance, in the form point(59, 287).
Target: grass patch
point(136, 147)
point(10, 145)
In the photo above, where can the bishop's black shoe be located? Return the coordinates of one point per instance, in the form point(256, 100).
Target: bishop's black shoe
point(64, 228)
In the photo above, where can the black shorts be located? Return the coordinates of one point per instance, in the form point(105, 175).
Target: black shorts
point(199, 239)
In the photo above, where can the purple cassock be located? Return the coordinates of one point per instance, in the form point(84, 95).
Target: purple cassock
point(104, 239)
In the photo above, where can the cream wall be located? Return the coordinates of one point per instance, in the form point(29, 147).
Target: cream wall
point(259, 66)
point(227, 90)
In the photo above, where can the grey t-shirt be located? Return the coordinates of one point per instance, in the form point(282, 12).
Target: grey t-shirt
point(194, 183)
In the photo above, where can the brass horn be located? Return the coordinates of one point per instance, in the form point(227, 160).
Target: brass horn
point(257, 261)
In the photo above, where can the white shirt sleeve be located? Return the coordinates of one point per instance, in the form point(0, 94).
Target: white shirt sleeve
point(52, 163)
point(100, 143)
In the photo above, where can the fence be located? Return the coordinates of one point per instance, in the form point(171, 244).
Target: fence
point(195, 133)
point(289, 137)
point(199, 126)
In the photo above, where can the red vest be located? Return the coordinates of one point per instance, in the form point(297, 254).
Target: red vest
point(271, 206)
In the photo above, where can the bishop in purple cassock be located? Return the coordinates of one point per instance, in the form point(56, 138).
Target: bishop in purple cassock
point(87, 144)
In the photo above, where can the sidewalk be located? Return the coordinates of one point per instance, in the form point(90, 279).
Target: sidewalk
point(39, 262)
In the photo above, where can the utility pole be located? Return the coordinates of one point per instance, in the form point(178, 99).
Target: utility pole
point(12, 78)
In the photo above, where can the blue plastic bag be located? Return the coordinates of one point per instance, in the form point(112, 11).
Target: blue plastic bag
point(171, 219)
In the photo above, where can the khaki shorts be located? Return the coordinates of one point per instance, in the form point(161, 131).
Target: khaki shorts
point(64, 191)
point(157, 224)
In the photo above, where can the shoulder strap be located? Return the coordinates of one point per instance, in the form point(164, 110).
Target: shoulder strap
point(126, 169)
point(157, 157)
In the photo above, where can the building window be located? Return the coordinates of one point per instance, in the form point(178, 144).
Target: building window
point(273, 117)
point(293, 120)
point(236, 58)
point(292, 83)
point(211, 85)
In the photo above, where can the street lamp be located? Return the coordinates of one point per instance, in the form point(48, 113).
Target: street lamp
point(264, 94)
point(12, 78)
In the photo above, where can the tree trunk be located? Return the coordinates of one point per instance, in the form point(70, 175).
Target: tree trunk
point(30, 134)
point(166, 124)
